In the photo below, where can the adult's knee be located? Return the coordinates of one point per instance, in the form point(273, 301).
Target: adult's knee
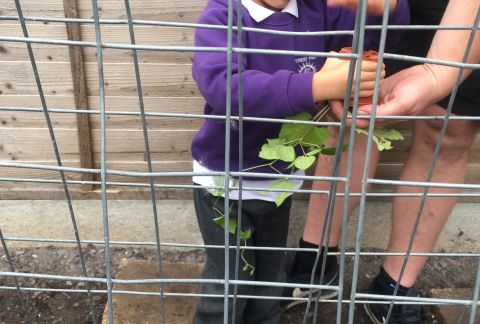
point(457, 140)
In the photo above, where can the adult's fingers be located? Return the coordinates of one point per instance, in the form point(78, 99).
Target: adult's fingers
point(390, 106)
point(337, 112)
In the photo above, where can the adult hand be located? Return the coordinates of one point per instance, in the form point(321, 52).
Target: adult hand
point(336, 113)
point(374, 7)
point(406, 93)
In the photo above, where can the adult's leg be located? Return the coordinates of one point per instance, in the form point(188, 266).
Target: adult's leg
point(450, 167)
point(317, 207)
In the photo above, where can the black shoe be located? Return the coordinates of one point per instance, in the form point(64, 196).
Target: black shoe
point(330, 278)
point(401, 314)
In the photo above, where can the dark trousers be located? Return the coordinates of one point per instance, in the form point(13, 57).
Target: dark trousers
point(270, 229)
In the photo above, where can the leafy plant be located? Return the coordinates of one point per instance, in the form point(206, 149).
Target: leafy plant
point(232, 223)
point(383, 137)
point(293, 138)
point(309, 140)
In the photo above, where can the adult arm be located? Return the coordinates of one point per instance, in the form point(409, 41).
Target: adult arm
point(410, 91)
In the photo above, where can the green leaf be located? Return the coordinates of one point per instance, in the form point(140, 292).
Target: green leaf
point(245, 235)
point(283, 184)
point(333, 149)
point(277, 152)
point(219, 181)
point(276, 141)
point(232, 224)
point(219, 221)
point(314, 152)
point(293, 132)
point(389, 134)
point(304, 162)
point(383, 137)
point(268, 152)
point(301, 116)
point(286, 153)
point(362, 131)
point(317, 136)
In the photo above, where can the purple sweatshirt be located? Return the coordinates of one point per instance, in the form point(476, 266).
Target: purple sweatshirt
point(275, 86)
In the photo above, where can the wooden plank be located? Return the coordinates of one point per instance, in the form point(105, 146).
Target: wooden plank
point(157, 79)
point(180, 10)
point(137, 166)
point(80, 92)
point(40, 192)
point(51, 8)
point(119, 141)
point(145, 35)
point(33, 144)
point(22, 173)
point(178, 105)
point(17, 78)
point(384, 171)
point(28, 144)
point(33, 101)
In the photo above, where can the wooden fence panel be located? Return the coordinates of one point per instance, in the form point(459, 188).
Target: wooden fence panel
point(167, 84)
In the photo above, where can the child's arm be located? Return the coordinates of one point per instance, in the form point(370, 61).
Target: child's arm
point(271, 95)
point(331, 81)
point(343, 18)
point(280, 94)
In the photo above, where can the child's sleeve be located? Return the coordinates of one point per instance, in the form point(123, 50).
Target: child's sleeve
point(276, 95)
point(344, 19)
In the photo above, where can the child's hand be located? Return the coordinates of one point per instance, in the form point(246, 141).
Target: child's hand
point(374, 7)
point(331, 81)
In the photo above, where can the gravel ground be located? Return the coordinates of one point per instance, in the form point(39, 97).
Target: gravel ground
point(63, 307)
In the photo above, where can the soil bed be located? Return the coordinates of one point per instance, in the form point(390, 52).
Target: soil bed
point(63, 307)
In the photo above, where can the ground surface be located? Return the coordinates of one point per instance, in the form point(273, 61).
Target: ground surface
point(62, 307)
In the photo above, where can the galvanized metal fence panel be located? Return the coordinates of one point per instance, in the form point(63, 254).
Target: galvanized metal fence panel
point(470, 190)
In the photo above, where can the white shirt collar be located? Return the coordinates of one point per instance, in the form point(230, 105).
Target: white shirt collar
point(260, 13)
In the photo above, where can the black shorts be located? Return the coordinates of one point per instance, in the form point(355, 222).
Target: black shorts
point(417, 43)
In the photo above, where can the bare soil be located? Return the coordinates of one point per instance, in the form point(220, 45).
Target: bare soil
point(73, 307)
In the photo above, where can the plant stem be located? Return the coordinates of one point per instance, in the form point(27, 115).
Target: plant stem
point(260, 166)
point(275, 169)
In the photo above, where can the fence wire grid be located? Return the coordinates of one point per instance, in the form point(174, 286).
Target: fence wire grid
point(104, 172)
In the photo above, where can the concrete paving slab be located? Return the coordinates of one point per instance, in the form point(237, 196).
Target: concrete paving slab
point(142, 309)
point(133, 221)
point(450, 314)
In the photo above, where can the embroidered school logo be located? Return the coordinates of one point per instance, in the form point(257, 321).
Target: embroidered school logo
point(306, 64)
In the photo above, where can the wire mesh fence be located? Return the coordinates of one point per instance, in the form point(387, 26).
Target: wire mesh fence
point(155, 181)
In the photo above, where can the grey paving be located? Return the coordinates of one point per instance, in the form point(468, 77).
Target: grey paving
point(131, 220)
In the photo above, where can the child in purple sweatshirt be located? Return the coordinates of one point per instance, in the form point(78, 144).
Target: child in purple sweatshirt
point(274, 86)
